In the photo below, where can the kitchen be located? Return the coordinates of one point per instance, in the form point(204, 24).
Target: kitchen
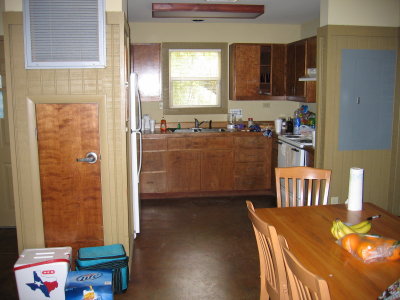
point(387, 162)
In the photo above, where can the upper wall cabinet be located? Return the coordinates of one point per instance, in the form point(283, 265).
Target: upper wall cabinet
point(145, 61)
point(301, 55)
point(257, 71)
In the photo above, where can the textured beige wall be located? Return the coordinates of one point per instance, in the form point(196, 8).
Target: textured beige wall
point(39, 85)
point(309, 29)
point(360, 12)
point(377, 164)
point(221, 32)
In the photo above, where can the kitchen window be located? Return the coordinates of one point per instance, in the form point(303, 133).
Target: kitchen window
point(194, 78)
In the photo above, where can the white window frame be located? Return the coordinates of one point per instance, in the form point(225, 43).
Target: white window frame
point(222, 107)
point(218, 79)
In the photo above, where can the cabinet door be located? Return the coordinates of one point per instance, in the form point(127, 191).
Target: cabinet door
point(290, 72)
point(245, 71)
point(311, 53)
point(183, 171)
point(300, 68)
point(217, 170)
point(278, 69)
point(145, 61)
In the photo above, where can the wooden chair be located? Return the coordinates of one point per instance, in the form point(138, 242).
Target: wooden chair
point(273, 284)
point(302, 186)
point(302, 283)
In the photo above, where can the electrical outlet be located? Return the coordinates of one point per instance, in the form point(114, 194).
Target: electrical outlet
point(161, 105)
point(334, 200)
point(236, 111)
point(266, 105)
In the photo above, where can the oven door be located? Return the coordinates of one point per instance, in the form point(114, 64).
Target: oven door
point(290, 156)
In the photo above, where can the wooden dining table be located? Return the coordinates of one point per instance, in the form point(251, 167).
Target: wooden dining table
point(307, 231)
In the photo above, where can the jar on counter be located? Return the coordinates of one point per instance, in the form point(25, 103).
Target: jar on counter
point(250, 122)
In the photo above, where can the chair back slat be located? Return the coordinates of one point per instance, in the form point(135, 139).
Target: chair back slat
point(298, 186)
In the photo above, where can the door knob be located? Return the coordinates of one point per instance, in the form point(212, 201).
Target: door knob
point(90, 158)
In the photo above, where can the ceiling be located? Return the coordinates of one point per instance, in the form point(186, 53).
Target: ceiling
point(276, 11)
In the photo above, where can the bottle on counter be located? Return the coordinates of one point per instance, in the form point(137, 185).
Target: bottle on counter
point(296, 122)
point(289, 126)
point(250, 122)
point(163, 125)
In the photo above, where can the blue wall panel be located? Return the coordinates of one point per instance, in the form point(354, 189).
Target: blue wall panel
point(366, 99)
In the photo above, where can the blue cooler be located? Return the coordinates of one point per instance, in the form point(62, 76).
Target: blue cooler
point(111, 257)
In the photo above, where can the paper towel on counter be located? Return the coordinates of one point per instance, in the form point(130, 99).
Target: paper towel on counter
point(354, 201)
point(278, 126)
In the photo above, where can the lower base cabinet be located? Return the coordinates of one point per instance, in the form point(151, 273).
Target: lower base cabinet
point(193, 165)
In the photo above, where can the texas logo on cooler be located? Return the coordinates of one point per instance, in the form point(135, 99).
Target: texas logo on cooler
point(46, 282)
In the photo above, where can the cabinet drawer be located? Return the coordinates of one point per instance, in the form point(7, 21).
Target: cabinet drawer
point(251, 142)
point(251, 183)
point(218, 142)
point(185, 143)
point(155, 182)
point(250, 155)
point(154, 161)
point(250, 169)
point(154, 144)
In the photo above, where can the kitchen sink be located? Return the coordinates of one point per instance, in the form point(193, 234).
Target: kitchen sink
point(187, 130)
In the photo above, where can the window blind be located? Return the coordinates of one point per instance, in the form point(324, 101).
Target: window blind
point(64, 34)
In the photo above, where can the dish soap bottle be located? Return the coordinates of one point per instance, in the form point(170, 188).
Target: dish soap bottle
point(163, 125)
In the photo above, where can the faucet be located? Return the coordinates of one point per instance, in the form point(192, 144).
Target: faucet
point(197, 123)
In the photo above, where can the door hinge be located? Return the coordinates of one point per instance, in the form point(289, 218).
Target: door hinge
point(36, 133)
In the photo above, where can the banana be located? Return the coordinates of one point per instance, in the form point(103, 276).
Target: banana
point(362, 227)
point(339, 229)
point(344, 228)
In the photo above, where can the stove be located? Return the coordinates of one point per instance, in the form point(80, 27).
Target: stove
point(296, 140)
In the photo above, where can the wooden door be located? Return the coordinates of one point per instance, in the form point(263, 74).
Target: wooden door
point(71, 190)
point(7, 211)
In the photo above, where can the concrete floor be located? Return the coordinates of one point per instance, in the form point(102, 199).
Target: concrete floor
point(187, 249)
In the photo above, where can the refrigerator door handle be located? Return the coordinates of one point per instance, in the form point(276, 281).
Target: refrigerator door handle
point(140, 155)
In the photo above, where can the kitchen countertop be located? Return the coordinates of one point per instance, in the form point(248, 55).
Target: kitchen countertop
point(158, 133)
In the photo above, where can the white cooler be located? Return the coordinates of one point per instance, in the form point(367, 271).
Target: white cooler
point(42, 273)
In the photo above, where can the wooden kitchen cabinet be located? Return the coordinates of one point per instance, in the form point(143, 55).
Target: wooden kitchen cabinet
point(257, 71)
point(300, 56)
point(252, 163)
point(153, 175)
point(146, 62)
point(198, 165)
point(217, 170)
point(183, 169)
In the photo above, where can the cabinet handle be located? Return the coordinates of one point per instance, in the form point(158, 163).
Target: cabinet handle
point(358, 100)
point(296, 150)
point(280, 143)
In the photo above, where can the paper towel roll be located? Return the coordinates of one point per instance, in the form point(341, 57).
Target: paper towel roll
point(278, 126)
point(355, 189)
